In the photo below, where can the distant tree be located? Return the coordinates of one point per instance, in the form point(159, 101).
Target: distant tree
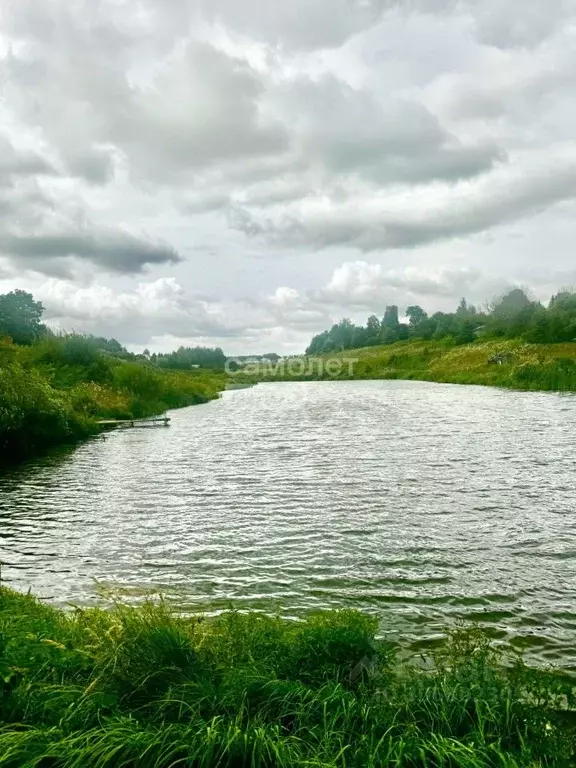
point(462, 308)
point(416, 315)
point(390, 319)
point(465, 332)
point(373, 323)
point(372, 331)
point(111, 346)
point(20, 317)
point(512, 315)
point(565, 300)
point(403, 332)
point(539, 331)
point(185, 358)
point(389, 335)
point(316, 346)
point(510, 304)
point(425, 330)
point(465, 310)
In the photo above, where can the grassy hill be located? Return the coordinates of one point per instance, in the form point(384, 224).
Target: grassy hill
point(507, 363)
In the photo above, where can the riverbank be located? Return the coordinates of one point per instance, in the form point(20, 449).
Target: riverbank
point(142, 686)
point(510, 363)
point(55, 391)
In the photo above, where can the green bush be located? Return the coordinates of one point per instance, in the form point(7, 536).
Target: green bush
point(54, 390)
point(32, 414)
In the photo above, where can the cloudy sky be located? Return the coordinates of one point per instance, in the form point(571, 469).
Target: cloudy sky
point(243, 173)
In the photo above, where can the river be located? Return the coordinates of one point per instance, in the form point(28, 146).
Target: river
point(426, 504)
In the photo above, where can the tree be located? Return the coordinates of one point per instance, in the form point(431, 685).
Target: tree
point(511, 304)
point(343, 334)
point(186, 358)
point(539, 332)
point(403, 332)
point(512, 315)
point(565, 300)
point(465, 310)
point(465, 332)
point(373, 323)
point(372, 330)
point(389, 335)
point(20, 317)
point(390, 319)
point(416, 315)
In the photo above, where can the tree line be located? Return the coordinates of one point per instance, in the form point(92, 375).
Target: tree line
point(513, 315)
point(21, 322)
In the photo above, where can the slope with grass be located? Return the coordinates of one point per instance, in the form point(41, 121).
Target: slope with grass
point(510, 363)
point(140, 686)
point(54, 391)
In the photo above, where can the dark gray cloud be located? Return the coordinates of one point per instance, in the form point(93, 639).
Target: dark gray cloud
point(115, 250)
point(499, 23)
point(18, 163)
point(386, 140)
point(96, 166)
point(43, 233)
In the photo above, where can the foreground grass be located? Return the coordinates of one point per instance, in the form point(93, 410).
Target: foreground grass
point(143, 687)
point(544, 367)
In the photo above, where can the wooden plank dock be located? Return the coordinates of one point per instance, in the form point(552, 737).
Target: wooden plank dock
point(160, 421)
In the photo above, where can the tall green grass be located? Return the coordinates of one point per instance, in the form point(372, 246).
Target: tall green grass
point(538, 367)
point(140, 686)
point(55, 390)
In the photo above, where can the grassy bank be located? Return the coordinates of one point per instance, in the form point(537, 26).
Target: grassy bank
point(54, 391)
point(143, 687)
point(509, 363)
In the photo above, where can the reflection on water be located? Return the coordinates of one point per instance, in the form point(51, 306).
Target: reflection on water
point(420, 502)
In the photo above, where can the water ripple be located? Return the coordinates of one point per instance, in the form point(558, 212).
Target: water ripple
point(422, 503)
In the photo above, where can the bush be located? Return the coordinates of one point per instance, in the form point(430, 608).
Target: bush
point(32, 414)
point(54, 391)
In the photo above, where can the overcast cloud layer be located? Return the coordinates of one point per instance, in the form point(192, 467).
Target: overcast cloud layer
point(243, 173)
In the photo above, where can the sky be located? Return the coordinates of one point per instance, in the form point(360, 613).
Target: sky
point(244, 173)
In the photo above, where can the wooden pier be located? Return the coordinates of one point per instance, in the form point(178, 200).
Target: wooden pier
point(160, 421)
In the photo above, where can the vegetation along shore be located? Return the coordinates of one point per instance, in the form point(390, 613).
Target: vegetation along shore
point(141, 686)
point(513, 342)
point(508, 363)
point(55, 387)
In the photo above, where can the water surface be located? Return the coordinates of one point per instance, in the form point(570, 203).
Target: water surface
point(424, 503)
